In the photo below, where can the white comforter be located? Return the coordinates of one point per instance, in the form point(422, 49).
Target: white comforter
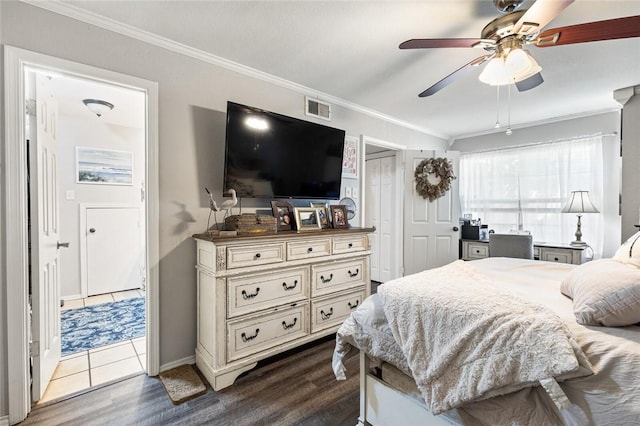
point(465, 339)
point(611, 396)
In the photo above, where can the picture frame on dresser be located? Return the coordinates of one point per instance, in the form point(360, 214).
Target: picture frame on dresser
point(307, 219)
point(284, 214)
point(339, 216)
point(323, 214)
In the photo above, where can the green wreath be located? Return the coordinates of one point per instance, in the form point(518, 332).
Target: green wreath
point(433, 177)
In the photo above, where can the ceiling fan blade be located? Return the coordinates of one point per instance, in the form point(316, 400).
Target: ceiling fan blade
point(538, 15)
point(455, 75)
point(529, 83)
point(428, 43)
point(609, 29)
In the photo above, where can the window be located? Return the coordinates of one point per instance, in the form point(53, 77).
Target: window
point(527, 186)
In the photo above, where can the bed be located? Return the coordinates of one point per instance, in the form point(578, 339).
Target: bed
point(557, 344)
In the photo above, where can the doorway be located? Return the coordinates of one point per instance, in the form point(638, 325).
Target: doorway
point(17, 260)
point(90, 192)
point(383, 207)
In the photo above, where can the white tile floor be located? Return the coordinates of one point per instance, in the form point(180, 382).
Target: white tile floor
point(82, 370)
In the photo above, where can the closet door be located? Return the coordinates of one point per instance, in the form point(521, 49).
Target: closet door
point(379, 208)
point(372, 213)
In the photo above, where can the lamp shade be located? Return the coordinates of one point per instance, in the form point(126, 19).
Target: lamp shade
point(520, 65)
point(494, 73)
point(579, 202)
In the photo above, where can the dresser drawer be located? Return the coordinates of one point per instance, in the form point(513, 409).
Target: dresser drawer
point(350, 244)
point(241, 256)
point(334, 310)
point(308, 248)
point(250, 336)
point(254, 292)
point(477, 250)
point(560, 256)
point(330, 277)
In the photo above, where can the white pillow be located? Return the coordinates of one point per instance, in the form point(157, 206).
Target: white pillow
point(629, 251)
point(604, 292)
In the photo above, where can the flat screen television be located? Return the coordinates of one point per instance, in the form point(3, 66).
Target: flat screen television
point(269, 155)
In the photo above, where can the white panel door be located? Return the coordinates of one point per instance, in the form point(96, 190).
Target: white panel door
point(380, 207)
point(114, 255)
point(45, 288)
point(430, 228)
point(372, 215)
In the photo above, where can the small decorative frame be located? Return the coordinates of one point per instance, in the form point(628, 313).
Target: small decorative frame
point(350, 157)
point(339, 216)
point(323, 214)
point(104, 166)
point(307, 219)
point(283, 212)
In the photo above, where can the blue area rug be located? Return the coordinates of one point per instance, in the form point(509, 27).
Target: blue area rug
point(99, 325)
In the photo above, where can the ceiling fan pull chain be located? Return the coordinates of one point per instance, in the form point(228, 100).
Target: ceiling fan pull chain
point(509, 131)
point(497, 126)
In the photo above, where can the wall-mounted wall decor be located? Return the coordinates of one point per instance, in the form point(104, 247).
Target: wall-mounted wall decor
point(350, 157)
point(104, 166)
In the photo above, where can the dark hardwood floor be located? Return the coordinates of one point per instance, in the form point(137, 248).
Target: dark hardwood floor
point(296, 388)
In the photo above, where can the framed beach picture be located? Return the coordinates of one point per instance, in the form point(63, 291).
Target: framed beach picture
point(350, 157)
point(307, 219)
point(104, 166)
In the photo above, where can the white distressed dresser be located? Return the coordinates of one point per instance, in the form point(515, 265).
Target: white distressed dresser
point(265, 294)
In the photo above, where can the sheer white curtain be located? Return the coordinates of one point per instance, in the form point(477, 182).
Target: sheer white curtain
point(535, 180)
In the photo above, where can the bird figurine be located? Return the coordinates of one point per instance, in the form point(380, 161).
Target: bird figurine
point(229, 204)
point(225, 206)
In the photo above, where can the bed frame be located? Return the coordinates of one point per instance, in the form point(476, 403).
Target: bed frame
point(383, 405)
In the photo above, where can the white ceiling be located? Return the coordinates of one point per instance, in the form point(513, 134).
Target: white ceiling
point(349, 50)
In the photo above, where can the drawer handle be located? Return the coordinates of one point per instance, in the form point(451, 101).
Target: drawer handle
point(287, 288)
point(257, 255)
point(310, 249)
point(247, 296)
point(354, 274)
point(556, 259)
point(288, 326)
point(326, 280)
point(246, 338)
point(477, 251)
point(326, 315)
point(352, 307)
point(350, 245)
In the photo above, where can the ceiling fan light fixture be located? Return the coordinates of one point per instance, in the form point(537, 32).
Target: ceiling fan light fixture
point(98, 106)
point(494, 73)
point(520, 65)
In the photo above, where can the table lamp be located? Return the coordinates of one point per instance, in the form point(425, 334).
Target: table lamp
point(579, 203)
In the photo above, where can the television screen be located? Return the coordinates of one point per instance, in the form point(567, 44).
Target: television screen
point(269, 155)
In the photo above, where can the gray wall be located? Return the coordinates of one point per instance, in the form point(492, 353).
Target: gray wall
point(606, 124)
point(630, 161)
point(192, 101)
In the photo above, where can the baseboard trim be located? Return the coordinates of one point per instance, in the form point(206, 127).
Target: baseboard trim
point(177, 363)
point(4, 421)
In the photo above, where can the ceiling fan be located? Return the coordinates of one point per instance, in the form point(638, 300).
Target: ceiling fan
point(504, 39)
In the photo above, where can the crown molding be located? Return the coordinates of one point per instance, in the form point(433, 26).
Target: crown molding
point(535, 123)
point(79, 14)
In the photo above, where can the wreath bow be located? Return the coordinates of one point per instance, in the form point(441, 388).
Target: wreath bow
point(433, 177)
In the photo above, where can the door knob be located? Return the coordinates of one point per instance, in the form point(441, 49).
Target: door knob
point(455, 228)
point(59, 244)
point(92, 230)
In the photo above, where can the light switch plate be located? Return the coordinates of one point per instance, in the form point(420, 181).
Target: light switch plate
point(70, 194)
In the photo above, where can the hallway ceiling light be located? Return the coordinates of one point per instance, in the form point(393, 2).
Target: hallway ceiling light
point(97, 106)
